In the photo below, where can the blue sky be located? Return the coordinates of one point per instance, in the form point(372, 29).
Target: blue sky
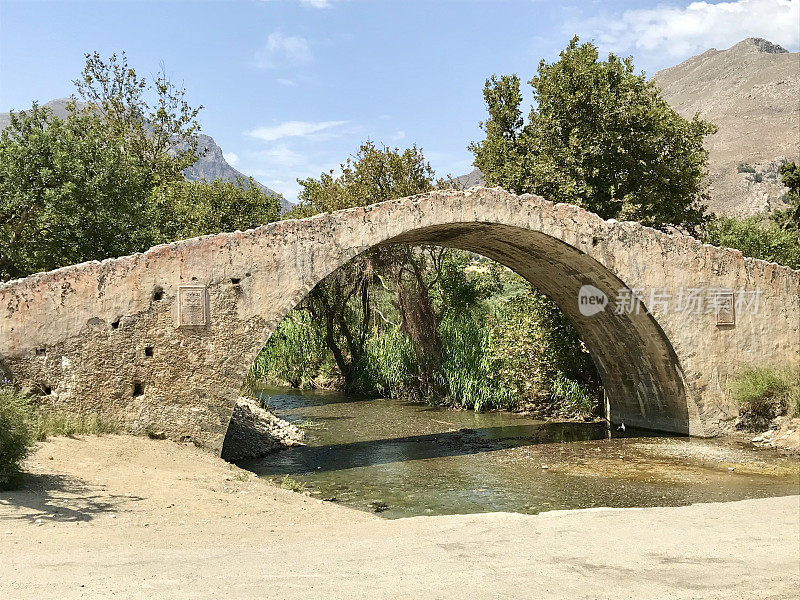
point(291, 87)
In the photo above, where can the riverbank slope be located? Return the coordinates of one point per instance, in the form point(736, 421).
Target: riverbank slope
point(129, 517)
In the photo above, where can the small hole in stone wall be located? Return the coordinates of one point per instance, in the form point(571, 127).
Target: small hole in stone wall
point(595, 241)
point(148, 351)
point(138, 389)
point(194, 278)
point(45, 390)
point(41, 352)
point(158, 294)
point(115, 324)
point(236, 280)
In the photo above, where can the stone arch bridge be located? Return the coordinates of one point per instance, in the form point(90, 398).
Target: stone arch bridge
point(161, 341)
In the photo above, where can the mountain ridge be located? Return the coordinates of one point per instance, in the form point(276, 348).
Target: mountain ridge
point(750, 92)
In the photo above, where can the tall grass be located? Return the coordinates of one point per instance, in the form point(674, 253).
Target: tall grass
point(23, 422)
point(389, 364)
point(47, 422)
point(764, 393)
point(468, 369)
point(572, 399)
point(295, 354)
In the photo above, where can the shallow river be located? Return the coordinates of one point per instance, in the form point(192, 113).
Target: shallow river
point(404, 460)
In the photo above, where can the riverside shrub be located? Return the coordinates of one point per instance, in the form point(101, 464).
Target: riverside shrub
point(764, 393)
point(16, 434)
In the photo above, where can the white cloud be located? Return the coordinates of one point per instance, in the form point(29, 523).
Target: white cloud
point(680, 31)
point(279, 156)
point(283, 50)
point(292, 129)
point(231, 157)
point(286, 82)
point(399, 136)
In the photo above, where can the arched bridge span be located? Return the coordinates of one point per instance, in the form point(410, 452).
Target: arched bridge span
point(162, 340)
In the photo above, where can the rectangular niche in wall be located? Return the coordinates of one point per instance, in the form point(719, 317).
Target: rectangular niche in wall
point(725, 309)
point(192, 306)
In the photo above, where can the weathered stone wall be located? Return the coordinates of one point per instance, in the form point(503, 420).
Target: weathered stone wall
point(104, 336)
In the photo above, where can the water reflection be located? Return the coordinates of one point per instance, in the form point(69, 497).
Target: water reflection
point(426, 460)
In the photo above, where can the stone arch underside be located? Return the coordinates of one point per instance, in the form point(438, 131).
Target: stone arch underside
point(640, 371)
point(105, 336)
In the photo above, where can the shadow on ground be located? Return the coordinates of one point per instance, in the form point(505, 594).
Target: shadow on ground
point(59, 498)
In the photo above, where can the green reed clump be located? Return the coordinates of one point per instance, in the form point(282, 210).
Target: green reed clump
point(468, 370)
point(571, 398)
point(295, 354)
point(389, 363)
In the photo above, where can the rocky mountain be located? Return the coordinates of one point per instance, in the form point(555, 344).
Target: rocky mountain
point(58, 106)
point(474, 177)
point(211, 165)
point(751, 91)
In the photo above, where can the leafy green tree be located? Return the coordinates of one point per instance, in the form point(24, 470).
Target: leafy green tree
point(533, 346)
point(79, 188)
point(373, 175)
point(600, 136)
point(107, 179)
point(758, 237)
point(150, 118)
point(191, 208)
point(342, 303)
point(16, 434)
point(789, 218)
point(68, 193)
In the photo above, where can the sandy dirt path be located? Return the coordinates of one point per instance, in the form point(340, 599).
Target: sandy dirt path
point(124, 517)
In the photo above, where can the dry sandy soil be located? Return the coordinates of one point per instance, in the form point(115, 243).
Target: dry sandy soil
point(124, 517)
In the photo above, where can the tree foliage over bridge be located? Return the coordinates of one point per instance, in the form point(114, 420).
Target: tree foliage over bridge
point(107, 180)
point(599, 136)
